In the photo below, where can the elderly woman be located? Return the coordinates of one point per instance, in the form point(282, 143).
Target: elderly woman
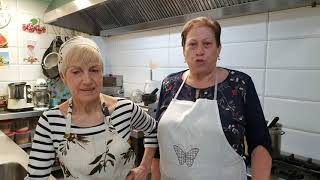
point(90, 132)
point(205, 112)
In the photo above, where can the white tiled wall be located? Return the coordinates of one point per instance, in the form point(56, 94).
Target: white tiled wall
point(18, 70)
point(279, 50)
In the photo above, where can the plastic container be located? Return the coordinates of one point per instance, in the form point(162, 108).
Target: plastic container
point(33, 131)
point(33, 122)
point(22, 137)
point(11, 135)
point(21, 125)
point(6, 126)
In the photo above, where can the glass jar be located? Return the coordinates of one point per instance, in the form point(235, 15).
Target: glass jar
point(41, 99)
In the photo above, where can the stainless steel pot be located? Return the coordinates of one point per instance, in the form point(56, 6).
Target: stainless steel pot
point(276, 133)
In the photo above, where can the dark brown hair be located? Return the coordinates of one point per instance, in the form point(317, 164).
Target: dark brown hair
point(201, 21)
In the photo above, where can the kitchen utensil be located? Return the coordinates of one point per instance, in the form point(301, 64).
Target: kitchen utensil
point(150, 98)
point(272, 122)
point(136, 96)
point(276, 133)
point(41, 95)
point(50, 59)
point(20, 97)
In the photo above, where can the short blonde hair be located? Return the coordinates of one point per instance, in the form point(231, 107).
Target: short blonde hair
point(79, 49)
point(198, 22)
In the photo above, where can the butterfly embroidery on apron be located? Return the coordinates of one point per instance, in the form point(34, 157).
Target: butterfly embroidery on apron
point(186, 157)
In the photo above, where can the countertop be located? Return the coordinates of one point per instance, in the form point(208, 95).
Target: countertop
point(5, 115)
point(11, 152)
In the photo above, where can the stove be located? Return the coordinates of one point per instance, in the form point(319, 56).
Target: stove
point(291, 167)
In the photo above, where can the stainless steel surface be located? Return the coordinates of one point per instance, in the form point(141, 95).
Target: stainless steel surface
point(116, 91)
point(112, 17)
point(272, 177)
point(41, 99)
point(11, 153)
point(113, 85)
point(111, 80)
point(276, 133)
point(293, 167)
point(63, 12)
point(12, 171)
point(5, 115)
point(20, 96)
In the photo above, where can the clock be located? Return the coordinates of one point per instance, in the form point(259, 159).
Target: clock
point(5, 18)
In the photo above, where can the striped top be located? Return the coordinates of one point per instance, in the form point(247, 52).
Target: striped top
point(51, 129)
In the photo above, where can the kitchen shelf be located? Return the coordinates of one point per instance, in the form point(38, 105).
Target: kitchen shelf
point(5, 115)
point(25, 145)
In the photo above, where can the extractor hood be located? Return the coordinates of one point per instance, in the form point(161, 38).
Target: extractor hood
point(113, 17)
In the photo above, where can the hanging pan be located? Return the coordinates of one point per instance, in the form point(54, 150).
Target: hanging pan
point(50, 59)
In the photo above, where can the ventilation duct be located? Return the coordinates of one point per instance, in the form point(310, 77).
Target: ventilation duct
point(113, 17)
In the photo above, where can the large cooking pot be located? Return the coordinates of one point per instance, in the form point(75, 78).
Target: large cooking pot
point(276, 132)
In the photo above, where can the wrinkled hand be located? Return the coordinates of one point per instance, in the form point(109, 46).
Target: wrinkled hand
point(138, 173)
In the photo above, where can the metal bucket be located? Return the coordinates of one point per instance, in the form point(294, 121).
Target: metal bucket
point(276, 133)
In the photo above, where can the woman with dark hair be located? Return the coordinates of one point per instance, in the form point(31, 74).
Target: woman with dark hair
point(205, 113)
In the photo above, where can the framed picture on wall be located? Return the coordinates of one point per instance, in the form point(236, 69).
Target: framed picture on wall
point(4, 57)
point(3, 39)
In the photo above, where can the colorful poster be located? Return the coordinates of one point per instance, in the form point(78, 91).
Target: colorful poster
point(4, 57)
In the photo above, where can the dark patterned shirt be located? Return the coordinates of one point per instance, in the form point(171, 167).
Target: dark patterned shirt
point(239, 106)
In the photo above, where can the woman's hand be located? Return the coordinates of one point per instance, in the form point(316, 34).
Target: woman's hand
point(138, 173)
point(141, 172)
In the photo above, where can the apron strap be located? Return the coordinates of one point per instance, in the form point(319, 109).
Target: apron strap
point(104, 109)
point(175, 96)
point(215, 86)
point(68, 120)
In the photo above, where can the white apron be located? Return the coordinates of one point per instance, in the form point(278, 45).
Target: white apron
point(104, 156)
point(193, 145)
